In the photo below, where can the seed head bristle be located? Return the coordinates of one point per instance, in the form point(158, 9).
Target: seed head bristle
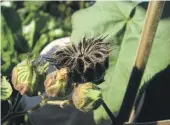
point(82, 57)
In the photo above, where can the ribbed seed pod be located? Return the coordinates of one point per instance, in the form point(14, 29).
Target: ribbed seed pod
point(87, 97)
point(58, 83)
point(88, 60)
point(24, 77)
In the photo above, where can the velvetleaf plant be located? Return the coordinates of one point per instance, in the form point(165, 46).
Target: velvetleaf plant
point(87, 59)
point(88, 56)
point(126, 47)
point(115, 18)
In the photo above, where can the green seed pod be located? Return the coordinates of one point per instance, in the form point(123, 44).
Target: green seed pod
point(58, 83)
point(24, 77)
point(87, 97)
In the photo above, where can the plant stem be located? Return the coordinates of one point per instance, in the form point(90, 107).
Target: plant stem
point(54, 102)
point(12, 115)
point(62, 103)
point(17, 102)
point(5, 118)
point(152, 19)
point(12, 112)
point(110, 114)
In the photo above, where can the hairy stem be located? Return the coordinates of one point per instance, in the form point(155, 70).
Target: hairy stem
point(17, 102)
point(110, 114)
point(152, 19)
point(62, 103)
point(13, 113)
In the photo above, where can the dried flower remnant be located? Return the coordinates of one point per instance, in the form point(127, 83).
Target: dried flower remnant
point(24, 77)
point(88, 60)
point(87, 97)
point(58, 83)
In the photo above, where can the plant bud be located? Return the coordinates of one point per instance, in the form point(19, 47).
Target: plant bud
point(87, 97)
point(24, 77)
point(58, 83)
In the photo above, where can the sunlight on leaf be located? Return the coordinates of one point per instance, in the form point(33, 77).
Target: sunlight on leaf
point(110, 18)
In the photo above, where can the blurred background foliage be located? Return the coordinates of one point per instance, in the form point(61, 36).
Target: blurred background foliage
point(28, 26)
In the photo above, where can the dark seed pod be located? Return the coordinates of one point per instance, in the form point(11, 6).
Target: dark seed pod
point(87, 97)
point(88, 60)
point(58, 83)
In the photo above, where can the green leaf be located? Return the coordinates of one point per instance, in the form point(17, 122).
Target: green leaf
point(7, 45)
point(6, 89)
point(34, 5)
point(110, 18)
point(103, 18)
point(29, 32)
point(14, 26)
point(42, 20)
point(43, 40)
point(37, 24)
point(9, 13)
point(55, 33)
point(159, 57)
point(7, 37)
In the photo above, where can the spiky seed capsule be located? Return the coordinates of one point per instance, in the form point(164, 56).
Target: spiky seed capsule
point(58, 83)
point(88, 60)
point(24, 77)
point(87, 97)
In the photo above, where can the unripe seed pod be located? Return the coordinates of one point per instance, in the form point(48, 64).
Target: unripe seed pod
point(87, 97)
point(58, 83)
point(24, 78)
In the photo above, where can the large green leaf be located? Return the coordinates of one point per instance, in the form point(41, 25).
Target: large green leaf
point(6, 89)
point(103, 18)
point(109, 18)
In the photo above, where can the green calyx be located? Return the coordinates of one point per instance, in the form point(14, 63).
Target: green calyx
point(25, 78)
point(58, 83)
point(87, 97)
